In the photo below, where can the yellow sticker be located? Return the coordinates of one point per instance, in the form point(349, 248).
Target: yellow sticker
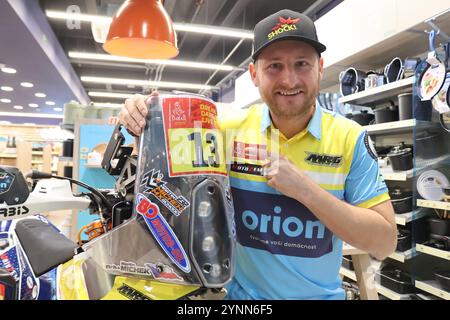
point(194, 141)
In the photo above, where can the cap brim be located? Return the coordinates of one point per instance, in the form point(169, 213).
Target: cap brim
point(316, 44)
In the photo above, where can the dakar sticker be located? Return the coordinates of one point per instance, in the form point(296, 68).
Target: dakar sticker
point(162, 232)
point(153, 183)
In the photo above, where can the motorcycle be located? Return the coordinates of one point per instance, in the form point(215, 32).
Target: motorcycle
point(165, 231)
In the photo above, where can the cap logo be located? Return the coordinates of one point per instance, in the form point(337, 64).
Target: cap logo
point(285, 25)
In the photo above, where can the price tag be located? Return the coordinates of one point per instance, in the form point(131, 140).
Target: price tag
point(193, 139)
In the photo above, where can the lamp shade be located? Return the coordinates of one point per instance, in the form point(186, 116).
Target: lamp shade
point(142, 29)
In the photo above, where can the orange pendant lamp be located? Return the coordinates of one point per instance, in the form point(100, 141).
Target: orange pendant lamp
point(142, 29)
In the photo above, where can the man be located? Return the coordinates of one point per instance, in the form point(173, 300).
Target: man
point(320, 185)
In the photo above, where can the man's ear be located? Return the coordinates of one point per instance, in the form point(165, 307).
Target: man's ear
point(320, 68)
point(252, 71)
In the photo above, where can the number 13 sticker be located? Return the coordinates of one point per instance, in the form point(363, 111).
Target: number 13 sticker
point(194, 141)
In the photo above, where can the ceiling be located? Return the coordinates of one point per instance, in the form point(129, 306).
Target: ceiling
point(38, 49)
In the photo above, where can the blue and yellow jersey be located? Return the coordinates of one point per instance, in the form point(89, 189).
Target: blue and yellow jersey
point(283, 250)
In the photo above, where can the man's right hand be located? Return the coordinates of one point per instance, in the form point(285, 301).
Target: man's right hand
point(134, 112)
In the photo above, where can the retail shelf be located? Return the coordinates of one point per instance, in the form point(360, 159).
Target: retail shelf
point(388, 174)
point(36, 162)
point(403, 218)
point(380, 289)
point(40, 153)
point(8, 155)
point(433, 204)
point(433, 287)
point(391, 294)
point(379, 94)
point(93, 166)
point(402, 256)
point(348, 273)
point(392, 127)
point(433, 251)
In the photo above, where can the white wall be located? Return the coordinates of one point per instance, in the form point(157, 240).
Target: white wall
point(355, 25)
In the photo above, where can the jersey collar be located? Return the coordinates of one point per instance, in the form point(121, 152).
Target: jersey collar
point(314, 126)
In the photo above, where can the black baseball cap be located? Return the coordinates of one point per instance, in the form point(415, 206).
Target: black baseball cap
point(285, 25)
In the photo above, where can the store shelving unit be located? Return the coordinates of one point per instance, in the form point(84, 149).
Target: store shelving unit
point(404, 218)
point(392, 127)
point(433, 287)
point(403, 256)
point(433, 204)
point(379, 94)
point(392, 295)
point(348, 273)
point(93, 166)
point(423, 248)
point(388, 174)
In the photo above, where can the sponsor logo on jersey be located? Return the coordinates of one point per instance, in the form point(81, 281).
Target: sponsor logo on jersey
point(279, 224)
point(323, 159)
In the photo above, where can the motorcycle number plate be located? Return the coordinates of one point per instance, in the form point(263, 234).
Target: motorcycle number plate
point(193, 139)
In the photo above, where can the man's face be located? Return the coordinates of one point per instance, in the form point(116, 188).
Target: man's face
point(287, 74)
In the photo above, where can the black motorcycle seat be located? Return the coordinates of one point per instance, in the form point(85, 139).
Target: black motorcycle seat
point(44, 246)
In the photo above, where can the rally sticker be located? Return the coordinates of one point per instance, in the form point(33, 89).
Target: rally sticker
point(153, 183)
point(162, 232)
point(194, 141)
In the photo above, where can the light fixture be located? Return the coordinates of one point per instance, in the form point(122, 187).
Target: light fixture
point(107, 105)
point(57, 109)
point(175, 63)
point(212, 30)
point(18, 107)
point(161, 84)
point(50, 103)
point(8, 70)
point(4, 100)
point(142, 29)
point(77, 16)
point(40, 95)
point(29, 124)
point(33, 105)
point(109, 95)
point(194, 28)
point(30, 114)
point(6, 88)
point(27, 84)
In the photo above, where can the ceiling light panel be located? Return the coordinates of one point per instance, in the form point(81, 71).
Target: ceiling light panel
point(175, 63)
point(194, 28)
point(27, 84)
point(9, 70)
point(161, 84)
point(109, 95)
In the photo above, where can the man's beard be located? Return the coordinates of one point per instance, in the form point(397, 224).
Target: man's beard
point(296, 111)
